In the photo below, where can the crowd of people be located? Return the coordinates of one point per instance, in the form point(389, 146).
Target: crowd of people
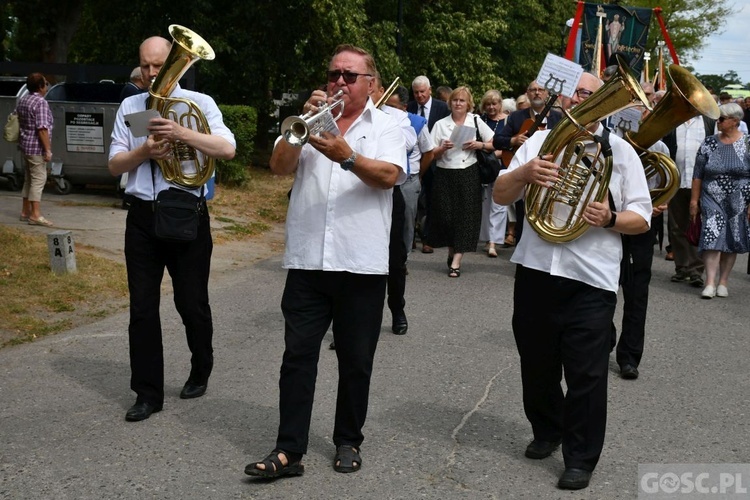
point(395, 171)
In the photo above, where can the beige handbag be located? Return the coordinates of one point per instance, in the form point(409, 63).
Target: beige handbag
point(12, 128)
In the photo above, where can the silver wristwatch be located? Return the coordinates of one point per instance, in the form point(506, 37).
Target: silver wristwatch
point(349, 162)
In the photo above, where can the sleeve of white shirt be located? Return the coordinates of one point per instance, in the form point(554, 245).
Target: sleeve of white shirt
point(424, 140)
point(634, 193)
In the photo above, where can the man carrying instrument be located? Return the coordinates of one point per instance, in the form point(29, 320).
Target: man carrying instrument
point(564, 301)
point(146, 256)
point(519, 126)
point(337, 234)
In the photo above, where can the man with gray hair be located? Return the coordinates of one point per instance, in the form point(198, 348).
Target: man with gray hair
point(432, 110)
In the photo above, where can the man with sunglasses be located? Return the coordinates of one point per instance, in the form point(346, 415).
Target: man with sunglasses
point(564, 300)
point(337, 235)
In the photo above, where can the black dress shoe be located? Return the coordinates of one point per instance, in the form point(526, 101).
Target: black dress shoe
point(192, 390)
point(629, 372)
point(574, 479)
point(141, 411)
point(538, 449)
point(400, 325)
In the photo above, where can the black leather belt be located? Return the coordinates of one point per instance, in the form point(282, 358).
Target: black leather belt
point(131, 201)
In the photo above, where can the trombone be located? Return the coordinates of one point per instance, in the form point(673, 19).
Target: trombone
point(388, 93)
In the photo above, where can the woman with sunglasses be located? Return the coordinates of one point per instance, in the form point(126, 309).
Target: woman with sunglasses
point(721, 191)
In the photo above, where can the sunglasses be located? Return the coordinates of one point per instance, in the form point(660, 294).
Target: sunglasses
point(349, 78)
point(722, 118)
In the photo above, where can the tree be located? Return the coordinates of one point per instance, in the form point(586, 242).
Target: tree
point(264, 48)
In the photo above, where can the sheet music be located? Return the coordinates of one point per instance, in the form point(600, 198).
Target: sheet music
point(462, 134)
point(559, 75)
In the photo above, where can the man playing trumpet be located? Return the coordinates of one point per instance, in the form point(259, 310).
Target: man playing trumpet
point(337, 234)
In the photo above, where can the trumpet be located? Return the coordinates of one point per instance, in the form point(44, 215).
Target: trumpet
point(296, 130)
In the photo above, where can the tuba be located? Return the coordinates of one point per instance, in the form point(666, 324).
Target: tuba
point(554, 212)
point(188, 167)
point(686, 99)
point(297, 129)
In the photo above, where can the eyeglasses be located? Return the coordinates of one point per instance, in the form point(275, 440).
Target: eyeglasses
point(722, 118)
point(537, 91)
point(583, 93)
point(349, 78)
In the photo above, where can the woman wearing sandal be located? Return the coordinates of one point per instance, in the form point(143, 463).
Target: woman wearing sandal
point(457, 192)
point(35, 142)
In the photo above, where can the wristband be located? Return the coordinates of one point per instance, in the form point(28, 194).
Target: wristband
point(612, 221)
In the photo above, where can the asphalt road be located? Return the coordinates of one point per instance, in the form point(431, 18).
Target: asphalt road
point(445, 418)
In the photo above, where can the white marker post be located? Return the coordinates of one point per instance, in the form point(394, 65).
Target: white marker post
point(62, 254)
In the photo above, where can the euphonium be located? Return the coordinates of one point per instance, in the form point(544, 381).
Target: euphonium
point(554, 212)
point(297, 129)
point(685, 99)
point(187, 167)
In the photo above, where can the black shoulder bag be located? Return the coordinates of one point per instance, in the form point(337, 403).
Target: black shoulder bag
point(177, 213)
point(489, 164)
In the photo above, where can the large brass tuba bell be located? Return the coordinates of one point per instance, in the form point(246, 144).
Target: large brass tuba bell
point(187, 167)
point(554, 212)
point(686, 99)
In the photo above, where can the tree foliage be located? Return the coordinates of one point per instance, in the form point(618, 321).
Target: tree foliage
point(265, 48)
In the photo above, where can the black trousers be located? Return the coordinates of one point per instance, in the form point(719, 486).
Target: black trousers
point(397, 254)
point(311, 301)
point(635, 278)
point(564, 325)
point(189, 266)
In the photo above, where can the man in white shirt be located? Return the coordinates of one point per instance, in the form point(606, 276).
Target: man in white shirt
point(564, 301)
point(146, 255)
point(337, 235)
point(683, 144)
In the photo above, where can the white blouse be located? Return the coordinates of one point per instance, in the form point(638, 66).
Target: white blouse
point(456, 157)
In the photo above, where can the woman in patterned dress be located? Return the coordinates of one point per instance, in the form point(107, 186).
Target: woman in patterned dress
point(721, 182)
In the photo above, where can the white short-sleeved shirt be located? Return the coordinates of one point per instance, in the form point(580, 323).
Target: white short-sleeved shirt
point(594, 257)
point(402, 118)
point(456, 157)
point(336, 222)
point(140, 182)
point(425, 144)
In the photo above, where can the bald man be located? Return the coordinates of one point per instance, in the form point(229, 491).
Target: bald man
point(146, 255)
point(567, 328)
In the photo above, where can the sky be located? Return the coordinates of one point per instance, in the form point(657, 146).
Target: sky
point(729, 50)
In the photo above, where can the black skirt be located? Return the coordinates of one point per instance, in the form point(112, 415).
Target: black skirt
point(456, 209)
